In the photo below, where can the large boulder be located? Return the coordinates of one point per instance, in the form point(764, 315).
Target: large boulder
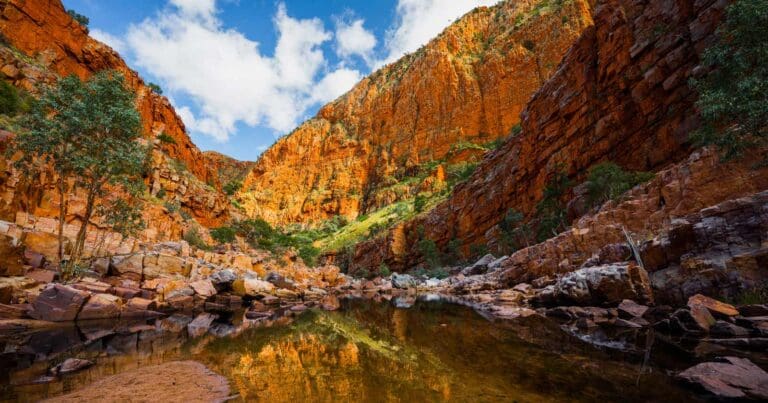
point(101, 306)
point(139, 308)
point(223, 279)
point(252, 287)
point(606, 285)
point(200, 325)
point(729, 378)
point(280, 281)
point(715, 307)
point(163, 265)
point(204, 288)
point(130, 266)
point(58, 303)
point(404, 281)
point(480, 267)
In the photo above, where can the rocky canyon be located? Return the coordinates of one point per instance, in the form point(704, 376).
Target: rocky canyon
point(562, 192)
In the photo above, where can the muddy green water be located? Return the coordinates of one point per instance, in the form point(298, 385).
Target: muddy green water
point(366, 351)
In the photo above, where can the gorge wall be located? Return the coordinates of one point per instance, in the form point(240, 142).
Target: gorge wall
point(466, 86)
point(41, 41)
point(44, 30)
point(621, 93)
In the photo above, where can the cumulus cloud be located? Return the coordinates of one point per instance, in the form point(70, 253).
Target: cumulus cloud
point(335, 84)
point(353, 39)
point(112, 41)
point(418, 21)
point(226, 74)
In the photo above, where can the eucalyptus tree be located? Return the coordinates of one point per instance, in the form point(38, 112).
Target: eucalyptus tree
point(89, 133)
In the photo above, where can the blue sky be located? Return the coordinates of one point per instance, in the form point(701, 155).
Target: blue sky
point(241, 73)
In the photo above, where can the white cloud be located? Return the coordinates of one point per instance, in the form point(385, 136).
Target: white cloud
point(335, 84)
point(418, 21)
point(110, 40)
point(353, 39)
point(226, 74)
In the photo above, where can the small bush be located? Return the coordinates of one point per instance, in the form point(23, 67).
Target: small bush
point(419, 203)
point(81, 19)
point(9, 99)
point(515, 233)
point(309, 254)
point(156, 88)
point(428, 250)
point(172, 207)
point(754, 295)
point(165, 138)
point(607, 181)
point(551, 211)
point(384, 270)
point(192, 236)
point(516, 129)
point(223, 234)
point(232, 187)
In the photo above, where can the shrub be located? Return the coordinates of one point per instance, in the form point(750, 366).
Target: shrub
point(81, 19)
point(515, 233)
point(733, 97)
point(165, 138)
point(453, 252)
point(439, 273)
point(550, 211)
point(9, 99)
point(607, 181)
point(156, 88)
point(223, 234)
point(419, 203)
point(428, 250)
point(172, 207)
point(516, 129)
point(308, 254)
point(232, 187)
point(192, 236)
point(384, 270)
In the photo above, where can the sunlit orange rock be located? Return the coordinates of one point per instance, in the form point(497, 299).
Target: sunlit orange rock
point(469, 84)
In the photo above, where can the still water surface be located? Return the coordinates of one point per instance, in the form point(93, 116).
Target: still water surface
point(366, 351)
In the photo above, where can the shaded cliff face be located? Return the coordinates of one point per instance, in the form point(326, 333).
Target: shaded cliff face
point(227, 168)
point(43, 30)
point(468, 85)
point(621, 93)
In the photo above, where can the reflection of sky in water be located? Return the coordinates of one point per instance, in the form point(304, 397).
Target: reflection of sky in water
point(433, 351)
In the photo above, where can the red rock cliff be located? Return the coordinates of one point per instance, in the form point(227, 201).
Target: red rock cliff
point(44, 30)
point(469, 84)
point(621, 93)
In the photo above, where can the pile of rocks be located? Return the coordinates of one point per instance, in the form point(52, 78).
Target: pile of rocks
point(172, 277)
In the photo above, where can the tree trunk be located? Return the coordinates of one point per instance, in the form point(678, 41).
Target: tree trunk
point(79, 244)
point(62, 216)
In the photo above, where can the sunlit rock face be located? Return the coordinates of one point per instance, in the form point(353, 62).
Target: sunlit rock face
point(45, 42)
point(467, 85)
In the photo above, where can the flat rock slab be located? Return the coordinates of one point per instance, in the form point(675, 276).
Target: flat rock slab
point(730, 378)
point(177, 381)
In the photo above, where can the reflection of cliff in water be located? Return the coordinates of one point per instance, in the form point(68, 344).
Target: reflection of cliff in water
point(366, 351)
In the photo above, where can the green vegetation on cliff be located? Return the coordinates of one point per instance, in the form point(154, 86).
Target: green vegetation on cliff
point(733, 97)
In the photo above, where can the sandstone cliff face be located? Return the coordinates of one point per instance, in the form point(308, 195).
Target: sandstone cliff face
point(43, 42)
point(620, 94)
point(469, 84)
point(44, 31)
point(227, 168)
